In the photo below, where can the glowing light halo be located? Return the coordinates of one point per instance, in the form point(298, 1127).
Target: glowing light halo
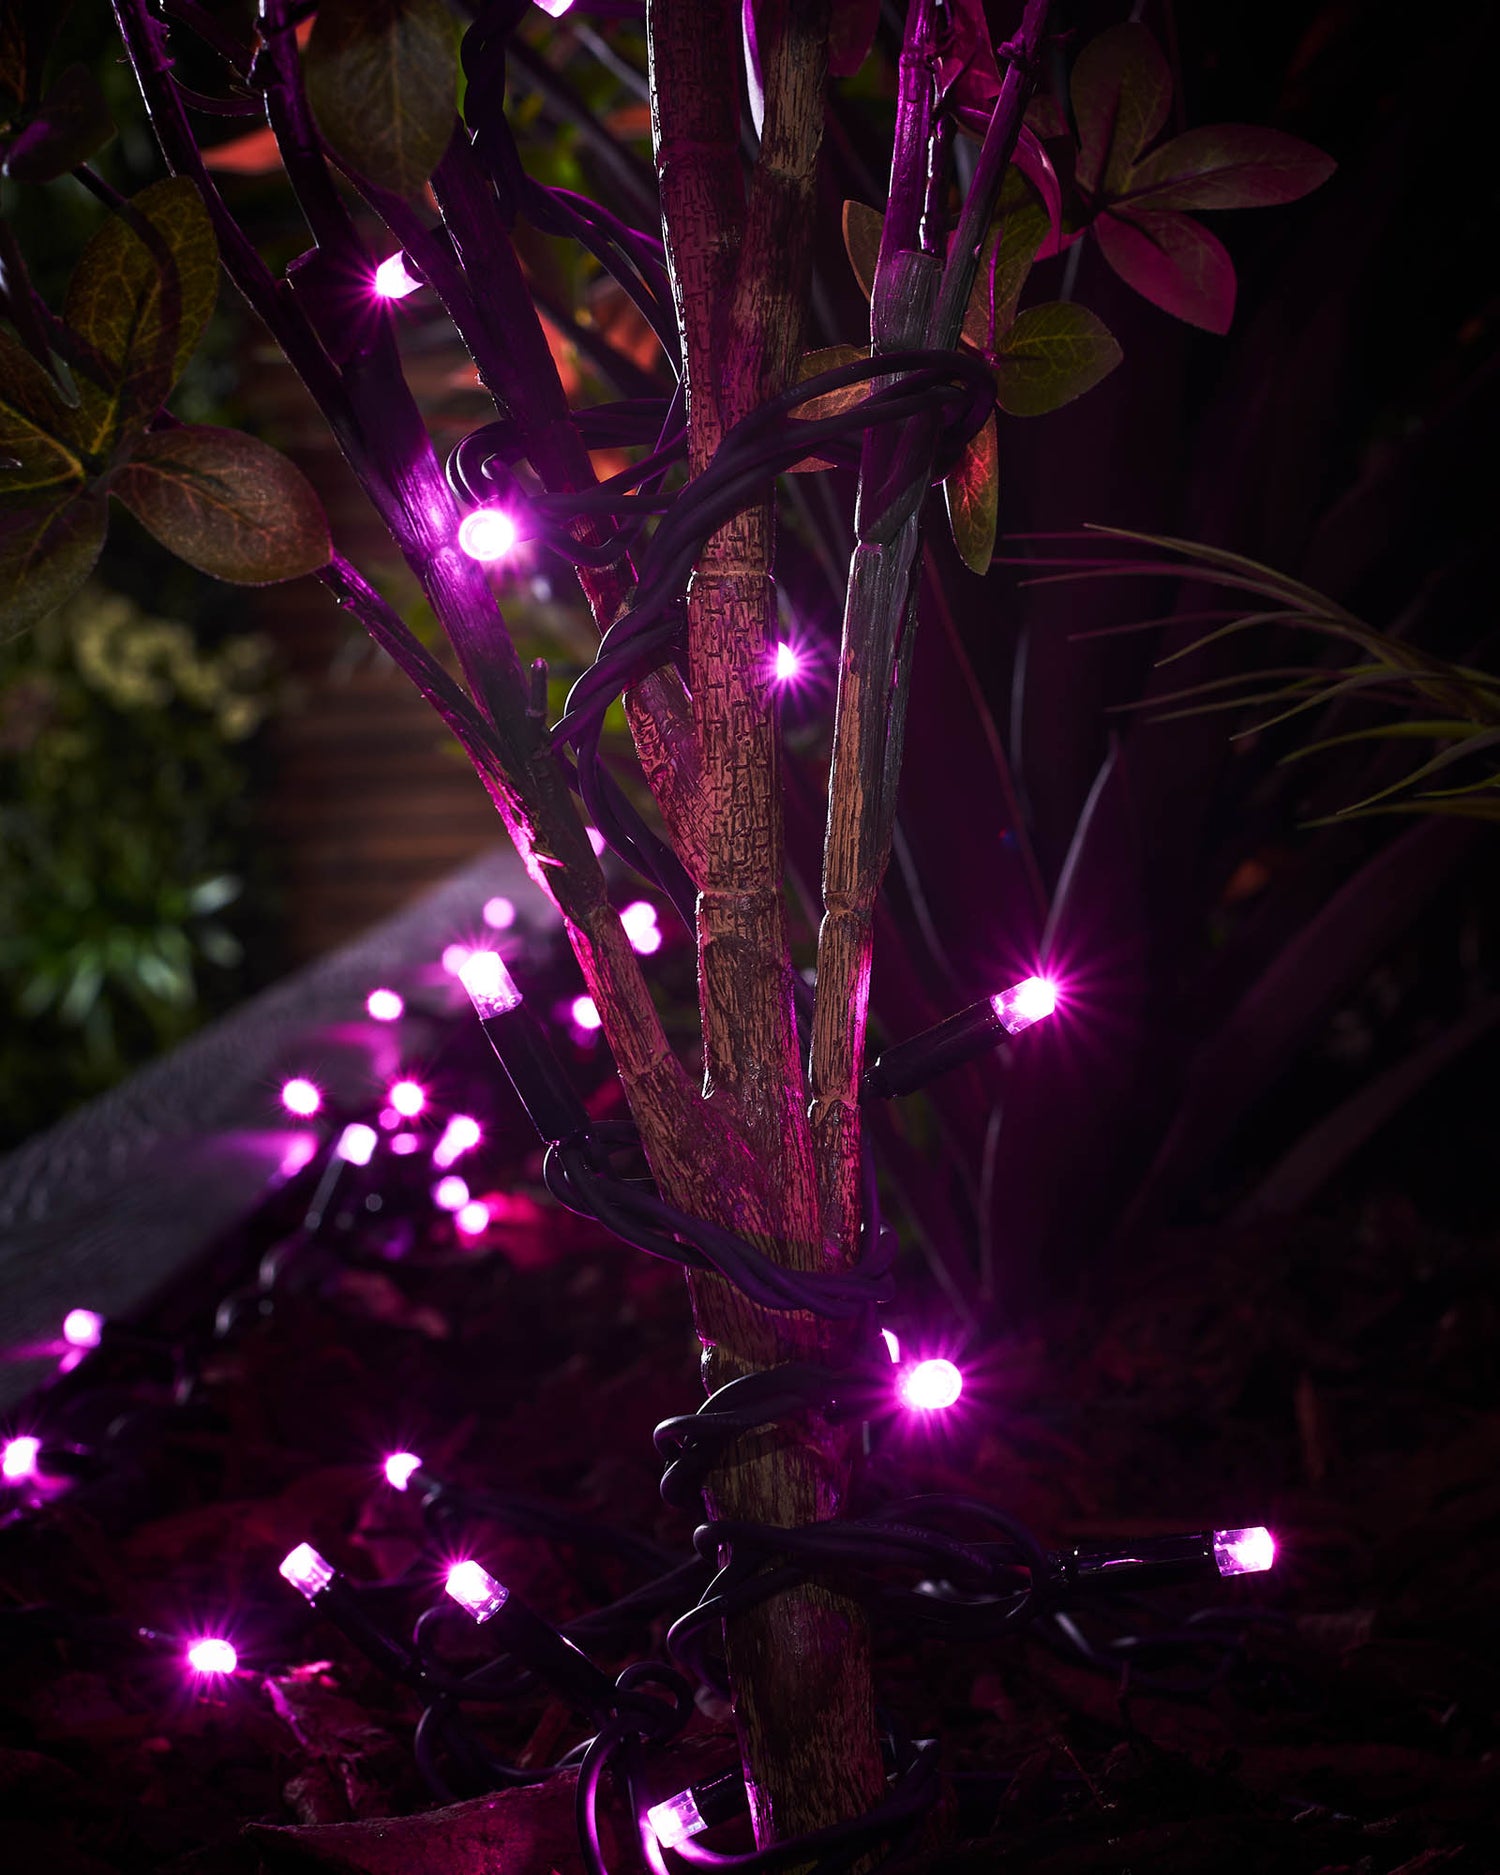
point(488, 534)
point(393, 279)
point(930, 1386)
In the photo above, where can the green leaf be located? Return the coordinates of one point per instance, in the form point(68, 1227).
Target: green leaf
point(227, 504)
point(72, 123)
point(47, 550)
point(862, 230)
point(1122, 90)
point(382, 79)
point(1228, 166)
point(810, 365)
point(1051, 355)
point(1173, 261)
point(1004, 262)
point(972, 491)
point(35, 424)
point(139, 305)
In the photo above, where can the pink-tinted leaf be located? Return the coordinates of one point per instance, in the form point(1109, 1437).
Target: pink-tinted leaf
point(862, 230)
point(1044, 116)
point(1228, 166)
point(1122, 91)
point(968, 77)
point(1035, 165)
point(972, 492)
point(851, 33)
point(1004, 263)
point(1174, 262)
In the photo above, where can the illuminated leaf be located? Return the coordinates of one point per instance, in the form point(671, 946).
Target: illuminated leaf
point(1051, 355)
point(138, 301)
point(382, 79)
point(1004, 262)
point(35, 425)
point(1173, 261)
point(862, 228)
point(972, 492)
point(226, 503)
point(1228, 166)
point(811, 365)
point(47, 550)
point(1122, 91)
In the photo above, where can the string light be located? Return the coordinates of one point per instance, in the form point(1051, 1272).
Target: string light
point(585, 1013)
point(786, 664)
point(476, 1590)
point(487, 534)
point(400, 1468)
point(393, 279)
point(385, 1005)
point(357, 1143)
point(700, 1807)
point(460, 1135)
point(921, 1058)
point(408, 1098)
point(1244, 1552)
point(301, 1096)
point(405, 1144)
point(472, 1219)
point(499, 913)
point(639, 920)
point(307, 1571)
point(930, 1386)
point(18, 1460)
point(524, 1048)
point(450, 1193)
point(83, 1328)
point(212, 1657)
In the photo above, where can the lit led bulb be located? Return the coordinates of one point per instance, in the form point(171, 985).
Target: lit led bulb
point(460, 1135)
point(930, 1386)
point(18, 1460)
point(1244, 1552)
point(212, 1656)
point(393, 280)
point(307, 1571)
point(400, 1468)
point(475, 1589)
point(1025, 1003)
point(676, 1819)
point(83, 1328)
point(384, 1005)
point(499, 913)
point(585, 1013)
point(639, 920)
point(301, 1096)
point(451, 1193)
point(408, 1098)
point(487, 534)
point(492, 989)
point(786, 664)
point(357, 1143)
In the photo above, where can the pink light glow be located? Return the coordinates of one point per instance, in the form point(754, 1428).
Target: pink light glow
point(392, 280)
point(302, 1151)
point(301, 1096)
point(455, 956)
point(399, 1468)
point(487, 534)
point(83, 1328)
point(1025, 1003)
point(585, 1012)
point(405, 1144)
point(473, 1218)
point(499, 914)
point(307, 1571)
point(357, 1144)
point(474, 1588)
point(1244, 1552)
point(385, 1005)
point(408, 1098)
point(450, 1193)
point(460, 1135)
point(639, 920)
point(930, 1386)
point(19, 1459)
point(676, 1819)
point(492, 989)
point(786, 664)
point(212, 1656)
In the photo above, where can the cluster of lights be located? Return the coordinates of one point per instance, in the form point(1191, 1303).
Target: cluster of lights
point(639, 920)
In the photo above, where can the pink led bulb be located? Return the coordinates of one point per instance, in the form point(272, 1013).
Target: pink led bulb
point(499, 913)
point(301, 1096)
point(18, 1460)
point(492, 989)
point(450, 1193)
point(487, 534)
point(307, 1571)
point(1025, 1003)
point(475, 1589)
point(639, 920)
point(400, 1467)
point(393, 279)
point(212, 1656)
point(1244, 1552)
point(460, 1135)
point(585, 1012)
point(676, 1819)
point(930, 1386)
point(357, 1143)
point(385, 1005)
point(786, 664)
point(83, 1328)
point(473, 1218)
point(408, 1098)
